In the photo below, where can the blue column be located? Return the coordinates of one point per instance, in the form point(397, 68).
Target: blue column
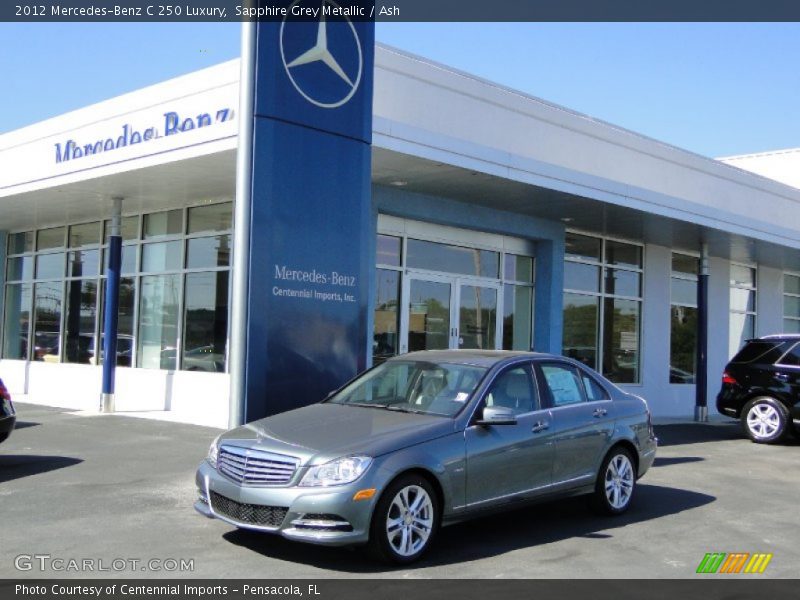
point(111, 311)
point(549, 306)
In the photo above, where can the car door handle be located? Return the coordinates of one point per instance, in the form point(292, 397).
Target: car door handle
point(782, 376)
point(600, 412)
point(540, 426)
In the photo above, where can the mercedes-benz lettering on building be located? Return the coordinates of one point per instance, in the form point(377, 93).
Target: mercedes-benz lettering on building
point(493, 220)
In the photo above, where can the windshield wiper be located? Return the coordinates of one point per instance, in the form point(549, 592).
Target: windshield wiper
point(394, 407)
point(365, 404)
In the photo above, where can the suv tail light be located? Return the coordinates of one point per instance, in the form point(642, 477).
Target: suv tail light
point(727, 378)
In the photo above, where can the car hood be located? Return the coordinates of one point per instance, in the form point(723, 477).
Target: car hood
point(322, 432)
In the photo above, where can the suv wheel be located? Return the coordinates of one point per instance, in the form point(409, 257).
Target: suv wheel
point(616, 483)
point(405, 521)
point(765, 420)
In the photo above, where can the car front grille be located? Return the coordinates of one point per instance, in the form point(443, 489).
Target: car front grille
point(255, 467)
point(252, 514)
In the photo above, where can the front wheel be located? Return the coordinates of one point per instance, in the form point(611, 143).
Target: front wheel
point(765, 420)
point(616, 482)
point(405, 521)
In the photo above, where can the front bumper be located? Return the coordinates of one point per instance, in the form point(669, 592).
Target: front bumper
point(309, 511)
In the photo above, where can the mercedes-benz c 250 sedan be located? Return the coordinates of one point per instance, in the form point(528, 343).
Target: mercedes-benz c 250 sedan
point(428, 439)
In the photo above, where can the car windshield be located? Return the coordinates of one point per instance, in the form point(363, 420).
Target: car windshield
point(418, 387)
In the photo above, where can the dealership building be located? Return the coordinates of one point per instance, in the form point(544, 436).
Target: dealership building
point(497, 221)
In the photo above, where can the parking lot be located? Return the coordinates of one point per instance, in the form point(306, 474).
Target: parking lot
point(109, 487)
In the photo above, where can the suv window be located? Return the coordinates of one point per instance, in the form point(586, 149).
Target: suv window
point(792, 357)
point(767, 351)
point(563, 384)
point(512, 389)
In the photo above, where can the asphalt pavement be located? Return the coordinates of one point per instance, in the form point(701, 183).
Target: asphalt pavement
point(89, 490)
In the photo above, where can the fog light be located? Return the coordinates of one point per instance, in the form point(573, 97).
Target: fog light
point(201, 496)
point(364, 494)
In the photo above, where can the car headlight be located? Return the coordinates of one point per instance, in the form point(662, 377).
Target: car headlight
point(337, 472)
point(213, 451)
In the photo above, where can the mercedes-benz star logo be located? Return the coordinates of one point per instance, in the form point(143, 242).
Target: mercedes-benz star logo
point(320, 53)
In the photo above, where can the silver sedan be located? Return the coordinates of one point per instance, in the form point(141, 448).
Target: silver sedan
point(427, 439)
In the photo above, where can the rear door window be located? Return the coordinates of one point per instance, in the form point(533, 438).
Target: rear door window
point(792, 357)
point(765, 351)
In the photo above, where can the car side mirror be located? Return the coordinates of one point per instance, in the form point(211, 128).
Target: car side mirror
point(497, 415)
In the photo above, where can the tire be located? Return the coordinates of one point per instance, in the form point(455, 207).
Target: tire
point(396, 535)
point(616, 483)
point(765, 420)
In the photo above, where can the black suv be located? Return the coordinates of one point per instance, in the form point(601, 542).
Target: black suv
point(761, 386)
point(7, 415)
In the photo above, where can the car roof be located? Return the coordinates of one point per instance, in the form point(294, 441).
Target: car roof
point(777, 336)
point(480, 358)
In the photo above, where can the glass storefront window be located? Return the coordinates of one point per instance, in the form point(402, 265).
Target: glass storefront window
point(129, 229)
point(579, 276)
point(205, 331)
point(682, 344)
point(582, 247)
point(162, 224)
point(623, 283)
point(80, 322)
point(86, 234)
point(623, 255)
point(128, 259)
point(161, 256)
point(207, 219)
point(621, 340)
point(19, 243)
point(82, 263)
point(518, 268)
point(157, 339)
point(50, 239)
point(791, 303)
point(581, 325)
point(17, 321)
point(47, 303)
point(517, 317)
point(452, 259)
point(208, 252)
point(125, 320)
point(50, 266)
point(20, 268)
point(742, 306)
point(386, 332)
point(388, 250)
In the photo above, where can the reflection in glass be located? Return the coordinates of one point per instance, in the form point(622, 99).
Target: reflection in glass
point(48, 239)
point(582, 246)
point(20, 242)
point(685, 264)
point(162, 256)
point(477, 318)
point(127, 304)
point(129, 229)
point(623, 255)
point(50, 266)
point(210, 218)
point(159, 301)
point(743, 300)
point(388, 250)
point(621, 340)
point(209, 252)
point(791, 284)
point(683, 344)
point(742, 329)
point(163, 223)
point(17, 319)
point(20, 268)
point(83, 263)
point(741, 275)
point(578, 276)
point(79, 328)
point(517, 317)
point(684, 291)
point(47, 302)
point(86, 234)
point(791, 325)
point(128, 259)
point(429, 316)
point(623, 283)
point(386, 316)
point(581, 318)
point(205, 332)
point(453, 259)
point(518, 268)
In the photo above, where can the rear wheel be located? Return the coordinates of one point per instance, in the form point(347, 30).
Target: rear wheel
point(405, 520)
point(765, 420)
point(616, 483)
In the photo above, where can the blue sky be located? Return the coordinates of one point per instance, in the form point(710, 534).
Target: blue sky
point(716, 89)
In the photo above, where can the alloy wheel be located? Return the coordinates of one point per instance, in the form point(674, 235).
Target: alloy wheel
point(409, 521)
point(763, 421)
point(619, 481)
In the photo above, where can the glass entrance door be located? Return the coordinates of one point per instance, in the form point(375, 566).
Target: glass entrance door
point(442, 312)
